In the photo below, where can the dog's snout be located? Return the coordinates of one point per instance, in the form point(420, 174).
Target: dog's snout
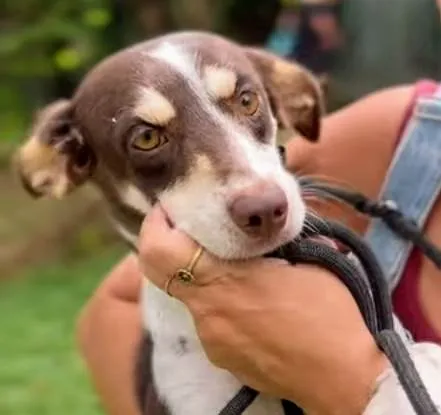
point(260, 210)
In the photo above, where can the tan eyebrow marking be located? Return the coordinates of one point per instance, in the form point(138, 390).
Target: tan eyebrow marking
point(154, 108)
point(220, 82)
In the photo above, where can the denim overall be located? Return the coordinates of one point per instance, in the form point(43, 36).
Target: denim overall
point(413, 183)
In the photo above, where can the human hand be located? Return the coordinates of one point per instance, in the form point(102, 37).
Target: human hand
point(291, 332)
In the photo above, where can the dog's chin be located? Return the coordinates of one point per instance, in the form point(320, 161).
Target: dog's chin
point(220, 236)
point(241, 247)
point(226, 241)
point(256, 248)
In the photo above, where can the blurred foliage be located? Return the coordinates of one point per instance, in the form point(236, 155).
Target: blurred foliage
point(39, 37)
point(47, 45)
point(386, 43)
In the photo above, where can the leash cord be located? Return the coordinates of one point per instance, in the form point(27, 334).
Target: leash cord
point(369, 288)
point(385, 210)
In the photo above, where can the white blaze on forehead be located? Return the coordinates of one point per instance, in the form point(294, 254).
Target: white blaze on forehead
point(220, 82)
point(154, 108)
point(177, 58)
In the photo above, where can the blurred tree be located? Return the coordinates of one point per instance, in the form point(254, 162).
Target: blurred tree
point(194, 14)
point(387, 42)
point(47, 45)
point(150, 17)
point(249, 21)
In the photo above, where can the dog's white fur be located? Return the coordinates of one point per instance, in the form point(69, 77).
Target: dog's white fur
point(134, 198)
point(188, 382)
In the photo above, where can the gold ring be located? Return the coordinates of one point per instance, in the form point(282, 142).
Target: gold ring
point(185, 275)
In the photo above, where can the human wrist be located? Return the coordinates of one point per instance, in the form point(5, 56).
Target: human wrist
point(349, 388)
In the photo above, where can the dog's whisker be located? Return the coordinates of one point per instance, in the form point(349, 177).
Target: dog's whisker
point(319, 195)
point(316, 198)
point(319, 177)
point(321, 183)
point(316, 216)
point(312, 227)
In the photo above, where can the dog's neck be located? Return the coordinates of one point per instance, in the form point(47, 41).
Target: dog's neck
point(171, 318)
point(185, 378)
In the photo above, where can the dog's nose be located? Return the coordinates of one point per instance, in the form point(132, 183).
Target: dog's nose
point(260, 210)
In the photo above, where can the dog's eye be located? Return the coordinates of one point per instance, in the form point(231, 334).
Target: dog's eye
point(149, 140)
point(249, 102)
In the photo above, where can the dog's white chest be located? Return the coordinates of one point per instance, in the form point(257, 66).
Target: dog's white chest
point(184, 378)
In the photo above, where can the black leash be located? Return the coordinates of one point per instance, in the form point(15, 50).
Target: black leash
point(367, 286)
point(385, 210)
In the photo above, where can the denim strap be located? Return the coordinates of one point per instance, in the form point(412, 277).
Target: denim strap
point(413, 182)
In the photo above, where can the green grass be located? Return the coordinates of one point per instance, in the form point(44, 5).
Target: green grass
point(40, 370)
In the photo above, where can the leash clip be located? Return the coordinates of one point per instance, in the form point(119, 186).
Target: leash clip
point(379, 209)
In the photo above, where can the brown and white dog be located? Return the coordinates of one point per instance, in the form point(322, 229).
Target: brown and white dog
point(187, 120)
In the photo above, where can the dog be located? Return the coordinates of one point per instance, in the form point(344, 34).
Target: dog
point(188, 120)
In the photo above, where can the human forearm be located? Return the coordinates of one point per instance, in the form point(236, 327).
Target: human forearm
point(390, 398)
point(108, 332)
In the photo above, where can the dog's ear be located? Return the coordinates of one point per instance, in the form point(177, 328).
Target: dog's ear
point(295, 94)
point(55, 159)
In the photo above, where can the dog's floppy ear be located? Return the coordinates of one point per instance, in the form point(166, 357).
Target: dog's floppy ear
point(295, 94)
point(55, 158)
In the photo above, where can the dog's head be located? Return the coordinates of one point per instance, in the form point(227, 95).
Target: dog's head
point(188, 120)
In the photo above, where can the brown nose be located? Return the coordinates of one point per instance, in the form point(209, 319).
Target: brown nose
point(259, 210)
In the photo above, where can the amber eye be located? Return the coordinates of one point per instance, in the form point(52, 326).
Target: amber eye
point(249, 102)
point(149, 140)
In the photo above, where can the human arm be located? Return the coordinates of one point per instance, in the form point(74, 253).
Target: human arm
point(108, 332)
point(389, 396)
